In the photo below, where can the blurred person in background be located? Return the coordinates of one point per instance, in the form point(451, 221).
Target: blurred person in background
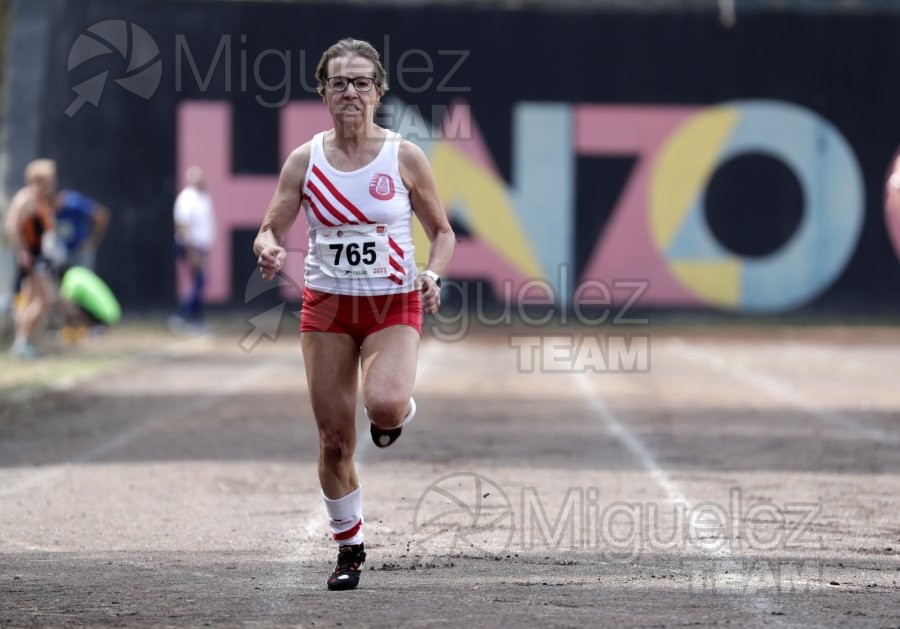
point(81, 224)
point(892, 190)
point(29, 227)
point(87, 301)
point(359, 185)
point(194, 236)
point(892, 203)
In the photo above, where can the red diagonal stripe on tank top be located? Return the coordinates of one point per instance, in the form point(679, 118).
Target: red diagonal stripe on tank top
point(316, 211)
point(395, 279)
point(395, 247)
point(397, 266)
point(329, 205)
point(337, 195)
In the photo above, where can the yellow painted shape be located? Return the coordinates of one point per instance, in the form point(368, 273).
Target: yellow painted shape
point(683, 167)
point(490, 213)
point(718, 281)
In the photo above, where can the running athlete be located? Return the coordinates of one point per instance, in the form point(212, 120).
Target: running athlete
point(29, 224)
point(359, 185)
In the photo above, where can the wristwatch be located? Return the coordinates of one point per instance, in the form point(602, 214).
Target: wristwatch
point(433, 275)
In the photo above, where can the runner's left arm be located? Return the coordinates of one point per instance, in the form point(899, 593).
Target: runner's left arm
point(426, 203)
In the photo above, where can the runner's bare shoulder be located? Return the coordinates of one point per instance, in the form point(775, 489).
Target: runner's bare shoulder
point(296, 164)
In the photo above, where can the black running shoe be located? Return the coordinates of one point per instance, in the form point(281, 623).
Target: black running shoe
point(384, 438)
point(346, 574)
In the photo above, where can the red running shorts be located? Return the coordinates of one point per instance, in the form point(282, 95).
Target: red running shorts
point(359, 315)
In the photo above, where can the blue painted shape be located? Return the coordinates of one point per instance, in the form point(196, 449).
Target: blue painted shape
point(544, 181)
point(834, 206)
point(834, 199)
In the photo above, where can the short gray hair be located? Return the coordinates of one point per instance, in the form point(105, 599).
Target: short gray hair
point(349, 46)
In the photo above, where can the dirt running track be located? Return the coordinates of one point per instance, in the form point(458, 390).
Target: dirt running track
point(747, 477)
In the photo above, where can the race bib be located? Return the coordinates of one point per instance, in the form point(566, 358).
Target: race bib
point(354, 251)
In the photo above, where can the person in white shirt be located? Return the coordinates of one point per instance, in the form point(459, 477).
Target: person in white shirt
point(194, 237)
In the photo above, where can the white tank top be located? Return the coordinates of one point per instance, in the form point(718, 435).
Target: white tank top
point(360, 232)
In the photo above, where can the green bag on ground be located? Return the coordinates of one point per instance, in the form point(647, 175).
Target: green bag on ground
point(82, 287)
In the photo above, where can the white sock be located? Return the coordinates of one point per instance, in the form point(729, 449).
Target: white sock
point(345, 518)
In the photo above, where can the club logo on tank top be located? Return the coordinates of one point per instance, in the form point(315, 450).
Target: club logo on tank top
point(381, 186)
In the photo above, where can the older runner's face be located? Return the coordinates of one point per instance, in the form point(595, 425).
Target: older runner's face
point(351, 93)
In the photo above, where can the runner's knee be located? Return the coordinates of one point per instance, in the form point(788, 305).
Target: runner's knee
point(387, 411)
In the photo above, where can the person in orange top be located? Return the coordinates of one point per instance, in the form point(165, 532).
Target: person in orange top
point(29, 225)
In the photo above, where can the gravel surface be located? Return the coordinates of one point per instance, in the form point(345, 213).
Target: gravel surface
point(745, 477)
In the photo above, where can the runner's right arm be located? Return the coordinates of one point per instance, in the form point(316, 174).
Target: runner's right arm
point(282, 211)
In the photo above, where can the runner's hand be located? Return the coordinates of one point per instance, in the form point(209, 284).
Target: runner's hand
point(271, 261)
point(431, 294)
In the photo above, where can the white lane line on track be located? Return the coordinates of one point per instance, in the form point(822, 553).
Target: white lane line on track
point(723, 553)
point(778, 391)
point(45, 477)
point(636, 447)
point(629, 440)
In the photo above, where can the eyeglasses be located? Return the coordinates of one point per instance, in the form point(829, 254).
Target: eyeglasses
point(341, 83)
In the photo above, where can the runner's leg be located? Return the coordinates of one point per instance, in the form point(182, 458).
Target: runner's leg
point(389, 359)
point(332, 364)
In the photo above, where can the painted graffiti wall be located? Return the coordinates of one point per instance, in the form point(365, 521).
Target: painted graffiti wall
point(603, 156)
